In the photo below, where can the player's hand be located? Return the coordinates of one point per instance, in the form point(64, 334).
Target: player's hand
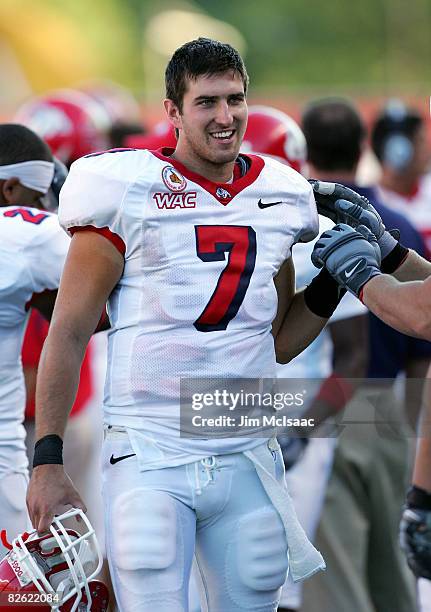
point(343, 205)
point(415, 540)
point(351, 256)
point(50, 492)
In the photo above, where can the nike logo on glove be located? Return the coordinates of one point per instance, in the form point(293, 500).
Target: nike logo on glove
point(267, 204)
point(113, 460)
point(348, 273)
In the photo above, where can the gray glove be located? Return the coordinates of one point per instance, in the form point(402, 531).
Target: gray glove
point(415, 540)
point(351, 256)
point(343, 205)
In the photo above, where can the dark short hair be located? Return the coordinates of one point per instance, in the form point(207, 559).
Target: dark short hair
point(197, 58)
point(20, 144)
point(334, 132)
point(395, 119)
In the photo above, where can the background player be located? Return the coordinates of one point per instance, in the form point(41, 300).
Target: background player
point(73, 124)
point(33, 248)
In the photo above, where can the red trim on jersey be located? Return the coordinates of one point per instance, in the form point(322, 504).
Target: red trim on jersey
point(239, 183)
point(103, 231)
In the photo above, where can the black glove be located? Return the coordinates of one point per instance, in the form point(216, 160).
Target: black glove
point(415, 532)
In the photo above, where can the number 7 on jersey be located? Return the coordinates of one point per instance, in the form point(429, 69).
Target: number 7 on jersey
point(212, 242)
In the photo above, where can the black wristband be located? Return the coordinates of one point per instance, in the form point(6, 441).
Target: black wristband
point(395, 258)
point(418, 498)
point(323, 294)
point(48, 449)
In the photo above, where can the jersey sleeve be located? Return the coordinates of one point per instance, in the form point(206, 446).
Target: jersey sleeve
point(309, 216)
point(93, 194)
point(46, 255)
point(299, 192)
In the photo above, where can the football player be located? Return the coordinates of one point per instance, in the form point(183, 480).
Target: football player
point(192, 248)
point(33, 249)
point(73, 124)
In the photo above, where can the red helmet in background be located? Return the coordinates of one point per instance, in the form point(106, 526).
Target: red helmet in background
point(272, 132)
point(56, 569)
point(162, 135)
point(118, 102)
point(71, 123)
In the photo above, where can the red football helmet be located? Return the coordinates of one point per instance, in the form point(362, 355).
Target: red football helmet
point(118, 102)
point(272, 132)
point(56, 569)
point(70, 122)
point(162, 135)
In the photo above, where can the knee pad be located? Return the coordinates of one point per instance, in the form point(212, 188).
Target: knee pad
point(144, 525)
point(146, 551)
point(262, 559)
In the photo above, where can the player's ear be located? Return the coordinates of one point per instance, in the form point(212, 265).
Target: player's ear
point(9, 189)
point(173, 113)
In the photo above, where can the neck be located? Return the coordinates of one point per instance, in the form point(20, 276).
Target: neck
point(333, 176)
point(402, 184)
point(217, 173)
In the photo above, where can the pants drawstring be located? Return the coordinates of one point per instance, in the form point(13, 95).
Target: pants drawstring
point(209, 464)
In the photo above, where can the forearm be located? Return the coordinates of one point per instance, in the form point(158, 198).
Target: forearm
point(404, 306)
point(57, 381)
point(299, 328)
point(413, 268)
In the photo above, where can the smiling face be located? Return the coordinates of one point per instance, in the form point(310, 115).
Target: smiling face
point(211, 123)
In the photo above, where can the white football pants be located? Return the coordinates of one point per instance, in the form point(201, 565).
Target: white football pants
point(216, 508)
point(13, 510)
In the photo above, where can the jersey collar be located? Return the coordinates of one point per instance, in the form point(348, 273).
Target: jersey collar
point(222, 192)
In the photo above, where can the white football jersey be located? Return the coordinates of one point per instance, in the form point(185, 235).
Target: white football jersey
point(196, 298)
point(33, 248)
point(417, 207)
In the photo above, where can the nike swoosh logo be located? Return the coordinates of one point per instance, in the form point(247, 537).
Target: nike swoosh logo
point(349, 273)
point(267, 204)
point(113, 460)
